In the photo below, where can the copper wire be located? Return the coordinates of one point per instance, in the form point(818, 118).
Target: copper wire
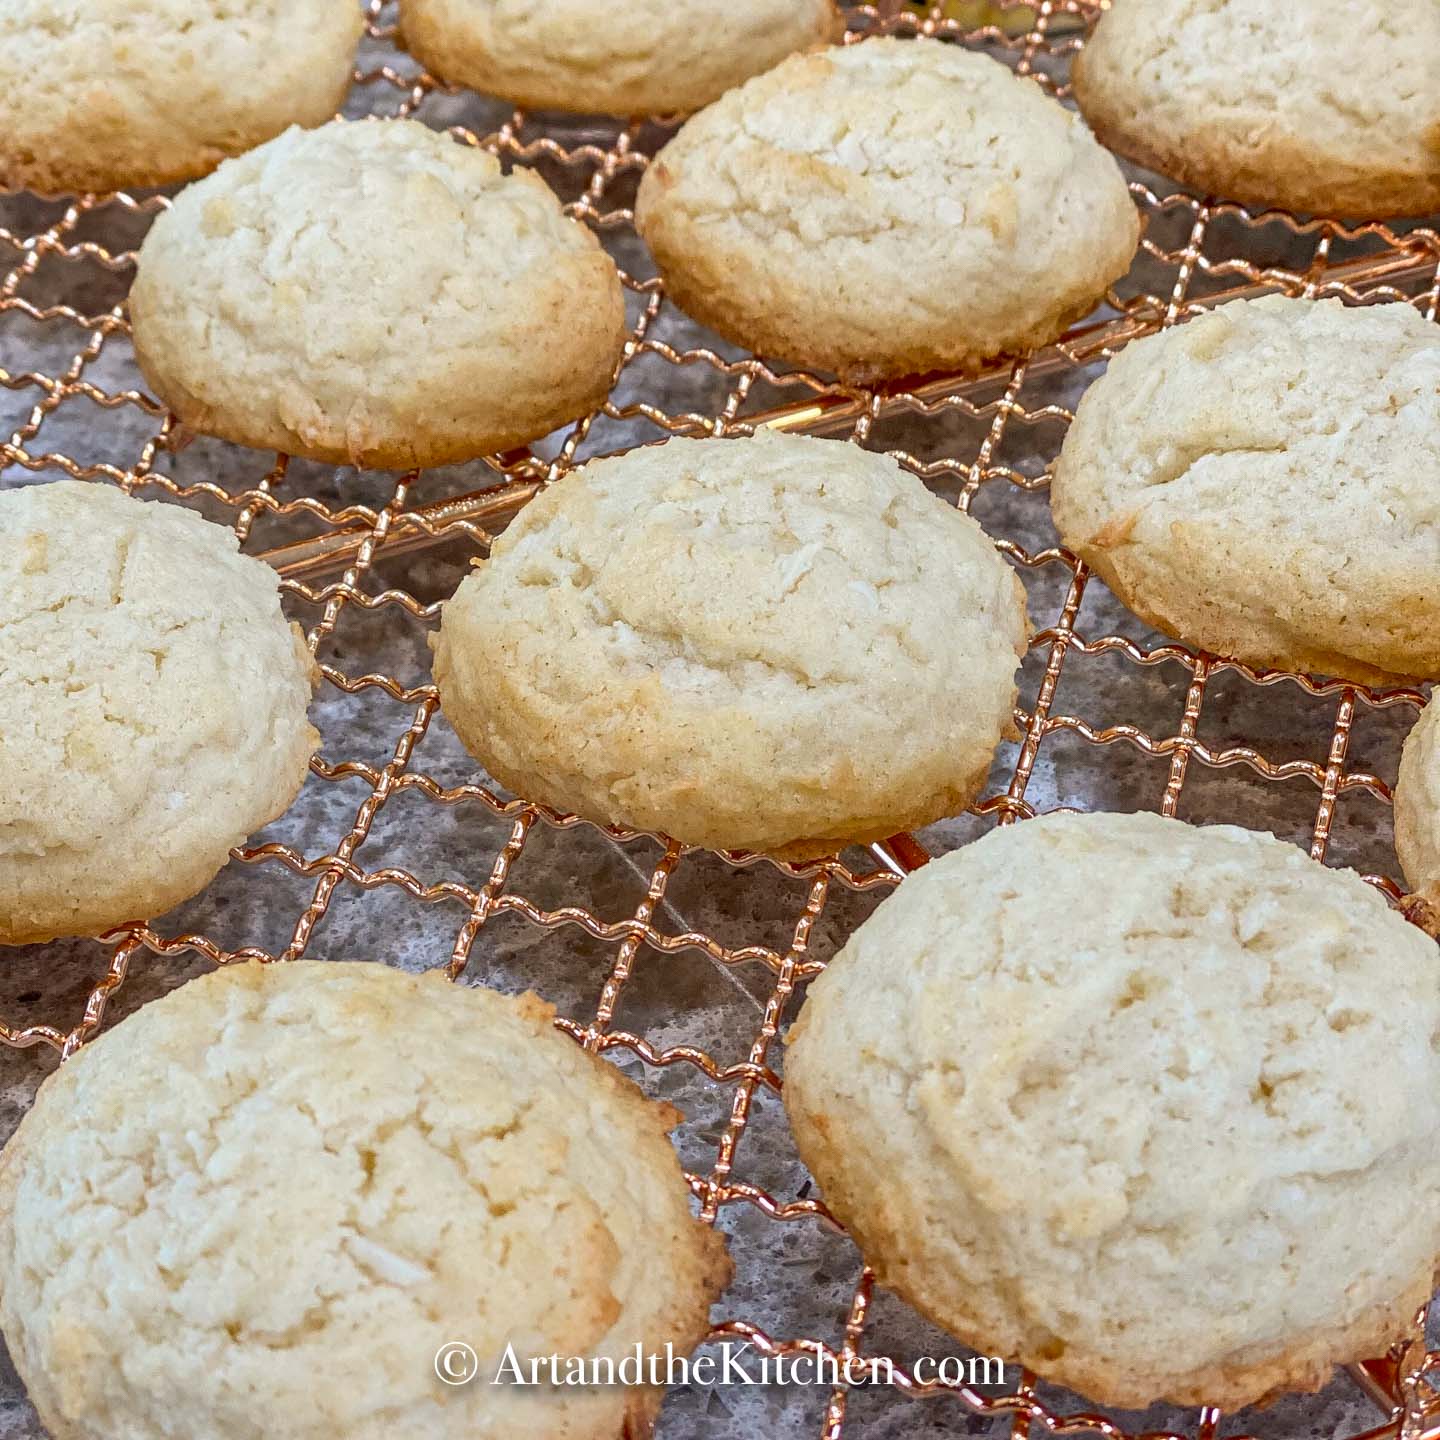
point(331, 571)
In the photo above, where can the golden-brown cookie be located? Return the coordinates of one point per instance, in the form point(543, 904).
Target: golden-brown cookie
point(614, 57)
point(1127, 1101)
point(112, 94)
point(1417, 806)
point(1309, 105)
point(886, 209)
point(279, 1200)
point(1257, 483)
point(775, 643)
point(152, 708)
point(375, 294)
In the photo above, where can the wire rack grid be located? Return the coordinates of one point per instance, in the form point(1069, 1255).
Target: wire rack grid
point(358, 550)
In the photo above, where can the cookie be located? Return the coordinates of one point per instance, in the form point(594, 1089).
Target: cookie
point(612, 57)
point(375, 294)
point(1256, 483)
point(1417, 805)
point(112, 94)
point(1310, 106)
point(887, 209)
point(276, 1202)
point(778, 644)
point(1127, 1101)
point(152, 707)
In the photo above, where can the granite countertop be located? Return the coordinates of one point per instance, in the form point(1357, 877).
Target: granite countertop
point(793, 1279)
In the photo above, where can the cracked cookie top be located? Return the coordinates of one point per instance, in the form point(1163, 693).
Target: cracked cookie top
point(375, 293)
point(112, 94)
point(1322, 108)
point(887, 208)
point(152, 706)
point(1127, 1100)
point(1261, 482)
point(772, 643)
point(261, 1205)
point(617, 57)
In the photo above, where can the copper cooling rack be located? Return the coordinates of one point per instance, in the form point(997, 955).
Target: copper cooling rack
point(1201, 737)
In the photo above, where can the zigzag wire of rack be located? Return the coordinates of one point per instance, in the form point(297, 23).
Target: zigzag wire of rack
point(1194, 254)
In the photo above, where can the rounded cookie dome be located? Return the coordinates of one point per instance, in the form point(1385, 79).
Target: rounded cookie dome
point(773, 643)
point(415, 305)
point(152, 710)
point(111, 94)
point(1258, 483)
point(1417, 805)
point(1128, 1101)
point(614, 57)
point(1317, 107)
point(885, 209)
point(262, 1205)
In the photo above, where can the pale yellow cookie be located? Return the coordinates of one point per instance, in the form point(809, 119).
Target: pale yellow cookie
point(614, 57)
point(111, 94)
point(1259, 482)
point(274, 1202)
point(1310, 105)
point(1417, 805)
point(886, 209)
point(1128, 1102)
point(778, 643)
point(375, 294)
point(152, 707)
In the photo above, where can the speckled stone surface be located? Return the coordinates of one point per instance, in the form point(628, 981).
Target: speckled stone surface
point(793, 1279)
